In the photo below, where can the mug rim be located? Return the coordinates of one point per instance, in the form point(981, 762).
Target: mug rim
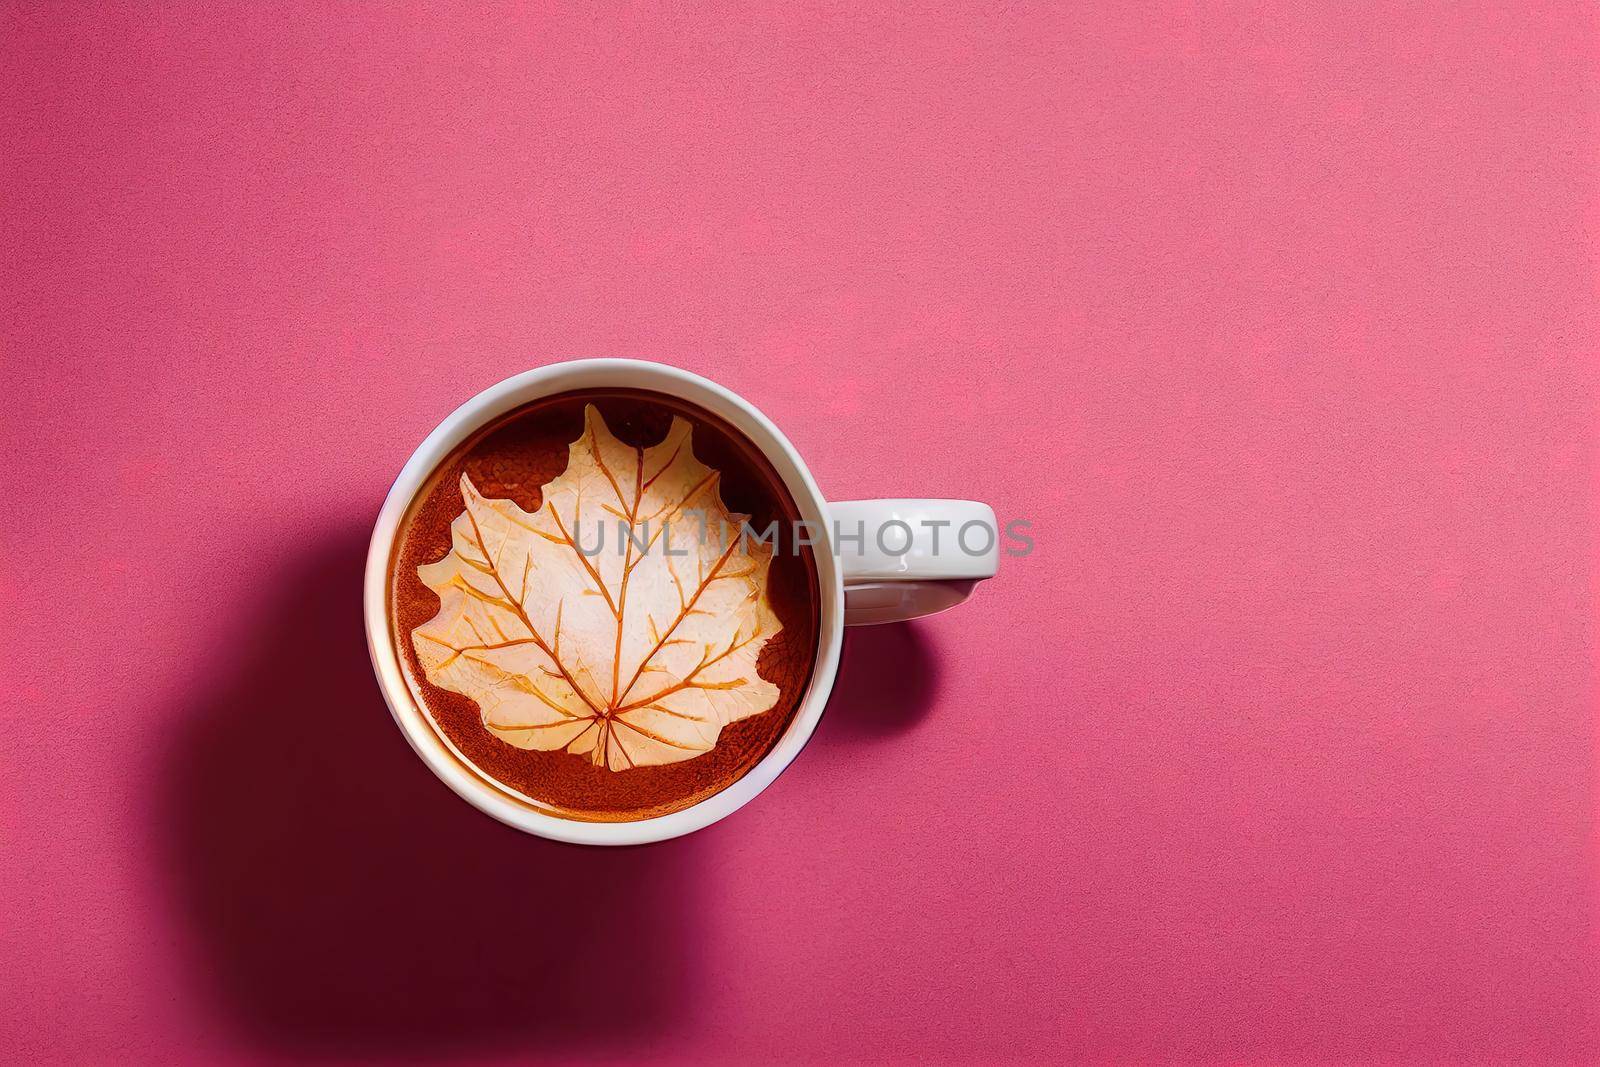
point(430, 743)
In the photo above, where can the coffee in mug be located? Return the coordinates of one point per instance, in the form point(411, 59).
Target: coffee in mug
point(607, 604)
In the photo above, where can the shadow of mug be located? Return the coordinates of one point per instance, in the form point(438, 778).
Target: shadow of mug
point(343, 900)
point(888, 679)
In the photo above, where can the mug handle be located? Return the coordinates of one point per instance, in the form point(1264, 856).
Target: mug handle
point(949, 546)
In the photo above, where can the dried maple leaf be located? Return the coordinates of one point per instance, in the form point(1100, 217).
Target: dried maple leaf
point(636, 654)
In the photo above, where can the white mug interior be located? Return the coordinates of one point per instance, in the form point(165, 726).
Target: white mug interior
point(405, 703)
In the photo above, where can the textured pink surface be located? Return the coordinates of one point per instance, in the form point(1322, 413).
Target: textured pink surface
point(1281, 746)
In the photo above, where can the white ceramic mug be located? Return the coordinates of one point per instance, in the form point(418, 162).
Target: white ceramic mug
point(871, 581)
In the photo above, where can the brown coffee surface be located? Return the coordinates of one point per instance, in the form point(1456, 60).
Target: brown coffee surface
point(513, 459)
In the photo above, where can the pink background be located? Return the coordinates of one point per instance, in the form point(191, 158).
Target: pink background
point(1280, 327)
